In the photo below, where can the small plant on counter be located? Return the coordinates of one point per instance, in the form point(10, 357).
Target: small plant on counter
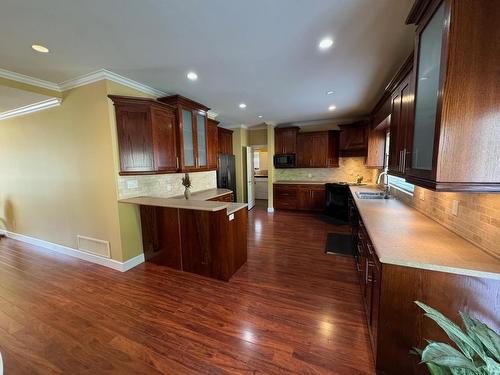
point(479, 346)
point(186, 182)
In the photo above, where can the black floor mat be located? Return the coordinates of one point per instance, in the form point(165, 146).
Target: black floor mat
point(339, 244)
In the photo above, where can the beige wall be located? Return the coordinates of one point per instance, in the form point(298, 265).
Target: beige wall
point(57, 175)
point(257, 137)
point(240, 140)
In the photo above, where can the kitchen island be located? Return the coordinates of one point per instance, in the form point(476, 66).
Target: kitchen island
point(203, 235)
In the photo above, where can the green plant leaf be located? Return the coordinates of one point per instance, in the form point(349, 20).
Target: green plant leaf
point(438, 370)
point(446, 355)
point(483, 334)
point(493, 368)
point(453, 331)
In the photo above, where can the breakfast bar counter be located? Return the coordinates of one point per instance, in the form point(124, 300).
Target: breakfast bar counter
point(195, 235)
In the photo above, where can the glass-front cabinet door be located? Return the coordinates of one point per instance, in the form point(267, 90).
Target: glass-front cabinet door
point(188, 138)
point(427, 85)
point(201, 140)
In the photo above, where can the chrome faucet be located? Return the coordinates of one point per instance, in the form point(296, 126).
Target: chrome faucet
point(386, 185)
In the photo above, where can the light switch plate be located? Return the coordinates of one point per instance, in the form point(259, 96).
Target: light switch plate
point(132, 184)
point(454, 207)
point(422, 195)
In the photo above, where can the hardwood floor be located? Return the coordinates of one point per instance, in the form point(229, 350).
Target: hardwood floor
point(290, 310)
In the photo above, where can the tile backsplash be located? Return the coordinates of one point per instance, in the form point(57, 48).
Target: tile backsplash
point(163, 185)
point(349, 168)
point(478, 219)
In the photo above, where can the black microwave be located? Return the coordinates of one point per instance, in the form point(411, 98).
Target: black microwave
point(284, 161)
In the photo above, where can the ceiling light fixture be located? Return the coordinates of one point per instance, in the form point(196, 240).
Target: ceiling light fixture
point(242, 105)
point(332, 108)
point(40, 48)
point(329, 92)
point(192, 76)
point(259, 116)
point(325, 44)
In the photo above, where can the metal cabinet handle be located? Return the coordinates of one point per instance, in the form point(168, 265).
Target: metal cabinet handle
point(370, 248)
point(177, 162)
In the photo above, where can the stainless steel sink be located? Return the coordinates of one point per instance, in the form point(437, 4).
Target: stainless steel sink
point(370, 195)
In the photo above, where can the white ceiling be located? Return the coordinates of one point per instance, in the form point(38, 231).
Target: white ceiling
point(261, 52)
point(11, 98)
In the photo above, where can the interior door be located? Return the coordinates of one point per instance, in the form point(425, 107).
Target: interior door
point(250, 178)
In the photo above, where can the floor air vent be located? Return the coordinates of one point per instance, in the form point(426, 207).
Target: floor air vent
point(94, 246)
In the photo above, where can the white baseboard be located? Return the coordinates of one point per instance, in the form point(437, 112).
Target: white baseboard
point(270, 210)
point(106, 262)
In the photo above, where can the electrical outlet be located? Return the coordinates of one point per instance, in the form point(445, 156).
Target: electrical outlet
point(454, 208)
point(132, 184)
point(422, 195)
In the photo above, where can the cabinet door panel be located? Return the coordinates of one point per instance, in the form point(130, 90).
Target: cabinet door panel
point(165, 149)
point(317, 199)
point(394, 147)
point(212, 144)
point(427, 90)
point(201, 141)
point(304, 155)
point(320, 151)
point(188, 138)
point(135, 140)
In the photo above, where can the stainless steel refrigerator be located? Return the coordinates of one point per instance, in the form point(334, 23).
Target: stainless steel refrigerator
point(226, 173)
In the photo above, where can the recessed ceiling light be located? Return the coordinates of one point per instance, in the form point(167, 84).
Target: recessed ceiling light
point(40, 48)
point(242, 105)
point(192, 76)
point(325, 43)
point(259, 116)
point(332, 108)
point(329, 92)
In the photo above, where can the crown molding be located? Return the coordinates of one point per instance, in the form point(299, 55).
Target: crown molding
point(234, 126)
point(101, 74)
point(49, 103)
point(29, 80)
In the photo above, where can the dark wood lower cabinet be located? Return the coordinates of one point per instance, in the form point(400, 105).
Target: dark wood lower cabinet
point(396, 324)
point(229, 197)
point(203, 242)
point(304, 197)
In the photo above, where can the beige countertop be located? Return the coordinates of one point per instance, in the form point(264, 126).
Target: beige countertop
point(204, 195)
point(403, 236)
point(198, 201)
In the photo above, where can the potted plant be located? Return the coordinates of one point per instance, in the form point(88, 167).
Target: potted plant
point(186, 182)
point(478, 350)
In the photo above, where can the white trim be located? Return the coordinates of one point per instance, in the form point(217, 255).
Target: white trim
point(212, 115)
point(110, 263)
point(238, 126)
point(270, 210)
point(44, 104)
point(110, 76)
point(29, 80)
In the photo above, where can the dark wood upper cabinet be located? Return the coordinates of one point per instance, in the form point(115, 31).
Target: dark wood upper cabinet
point(401, 105)
point(225, 141)
point(285, 140)
point(212, 143)
point(354, 139)
point(455, 133)
point(146, 135)
point(191, 118)
point(318, 149)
